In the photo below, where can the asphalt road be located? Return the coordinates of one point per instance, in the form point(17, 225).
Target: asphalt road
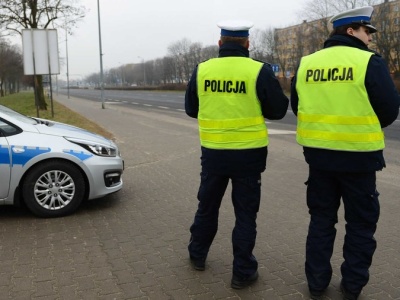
point(174, 101)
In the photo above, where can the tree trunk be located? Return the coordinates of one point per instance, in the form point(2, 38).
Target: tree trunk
point(41, 102)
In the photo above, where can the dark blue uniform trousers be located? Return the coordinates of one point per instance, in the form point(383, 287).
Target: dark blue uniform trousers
point(361, 206)
point(246, 202)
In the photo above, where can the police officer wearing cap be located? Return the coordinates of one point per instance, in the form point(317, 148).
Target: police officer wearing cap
point(230, 96)
point(343, 96)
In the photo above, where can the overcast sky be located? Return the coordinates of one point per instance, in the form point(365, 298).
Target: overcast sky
point(132, 31)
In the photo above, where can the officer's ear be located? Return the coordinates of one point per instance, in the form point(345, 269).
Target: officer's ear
point(350, 31)
point(219, 43)
point(247, 44)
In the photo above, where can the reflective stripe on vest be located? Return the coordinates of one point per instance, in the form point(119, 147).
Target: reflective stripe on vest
point(334, 111)
point(230, 114)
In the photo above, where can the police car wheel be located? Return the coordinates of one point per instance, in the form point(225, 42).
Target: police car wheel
point(53, 189)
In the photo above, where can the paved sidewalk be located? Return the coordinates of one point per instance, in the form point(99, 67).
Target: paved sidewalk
point(133, 244)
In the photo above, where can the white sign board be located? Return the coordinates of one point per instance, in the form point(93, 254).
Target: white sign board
point(40, 51)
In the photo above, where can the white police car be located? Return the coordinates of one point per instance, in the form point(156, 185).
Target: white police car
point(52, 167)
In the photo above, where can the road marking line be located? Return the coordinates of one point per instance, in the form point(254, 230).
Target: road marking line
point(280, 131)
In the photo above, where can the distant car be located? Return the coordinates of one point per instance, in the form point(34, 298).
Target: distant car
point(52, 167)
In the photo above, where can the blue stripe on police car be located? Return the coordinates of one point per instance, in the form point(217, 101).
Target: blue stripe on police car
point(79, 154)
point(22, 154)
point(4, 155)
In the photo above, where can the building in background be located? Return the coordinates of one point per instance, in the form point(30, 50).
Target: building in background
point(291, 43)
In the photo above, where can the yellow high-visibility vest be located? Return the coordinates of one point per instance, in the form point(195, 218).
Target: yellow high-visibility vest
point(230, 114)
point(334, 111)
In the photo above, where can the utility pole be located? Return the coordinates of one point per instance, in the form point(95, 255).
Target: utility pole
point(101, 60)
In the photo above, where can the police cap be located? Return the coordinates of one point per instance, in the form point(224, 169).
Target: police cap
point(360, 16)
point(235, 28)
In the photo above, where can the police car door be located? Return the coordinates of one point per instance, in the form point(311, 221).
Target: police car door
point(5, 166)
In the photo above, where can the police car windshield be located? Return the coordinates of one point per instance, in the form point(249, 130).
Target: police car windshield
point(16, 115)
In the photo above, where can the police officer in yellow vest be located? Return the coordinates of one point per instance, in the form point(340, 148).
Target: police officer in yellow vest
point(343, 96)
point(230, 96)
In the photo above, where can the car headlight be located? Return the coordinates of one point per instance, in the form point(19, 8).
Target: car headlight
point(95, 148)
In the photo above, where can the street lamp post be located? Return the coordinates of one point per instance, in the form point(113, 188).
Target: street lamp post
point(66, 53)
point(66, 47)
point(101, 59)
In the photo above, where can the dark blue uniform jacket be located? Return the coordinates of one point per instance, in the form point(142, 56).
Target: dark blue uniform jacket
point(384, 100)
point(274, 105)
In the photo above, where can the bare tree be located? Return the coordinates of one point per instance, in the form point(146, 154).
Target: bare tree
point(16, 15)
point(280, 54)
point(11, 69)
point(179, 51)
point(315, 27)
point(191, 59)
point(93, 79)
point(268, 44)
point(322, 10)
point(257, 47)
point(283, 47)
point(170, 69)
point(209, 52)
point(187, 55)
point(299, 46)
point(129, 74)
point(342, 5)
point(159, 72)
point(387, 38)
point(176, 67)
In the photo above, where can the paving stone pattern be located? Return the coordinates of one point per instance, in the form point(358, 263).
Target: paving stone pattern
point(133, 244)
